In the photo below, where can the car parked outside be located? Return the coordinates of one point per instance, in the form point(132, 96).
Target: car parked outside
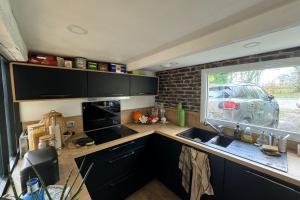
point(298, 103)
point(243, 103)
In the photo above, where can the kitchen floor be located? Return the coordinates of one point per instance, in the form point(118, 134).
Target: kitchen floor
point(154, 190)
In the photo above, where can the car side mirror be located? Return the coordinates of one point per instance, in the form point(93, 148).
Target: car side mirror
point(270, 97)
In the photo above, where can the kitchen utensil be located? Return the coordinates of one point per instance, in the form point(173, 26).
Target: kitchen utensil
point(298, 149)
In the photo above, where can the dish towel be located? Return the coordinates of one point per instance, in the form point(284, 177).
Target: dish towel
point(185, 165)
point(197, 162)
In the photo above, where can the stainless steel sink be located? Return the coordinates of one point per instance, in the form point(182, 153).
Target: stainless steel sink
point(222, 141)
point(197, 135)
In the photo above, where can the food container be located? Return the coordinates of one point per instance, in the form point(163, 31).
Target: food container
point(92, 65)
point(68, 63)
point(298, 149)
point(60, 61)
point(118, 68)
point(282, 143)
point(103, 67)
point(80, 63)
point(35, 131)
point(44, 141)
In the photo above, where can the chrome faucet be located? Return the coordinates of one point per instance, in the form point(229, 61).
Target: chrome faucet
point(218, 129)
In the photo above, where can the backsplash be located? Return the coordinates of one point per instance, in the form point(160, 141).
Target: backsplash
point(34, 110)
point(184, 84)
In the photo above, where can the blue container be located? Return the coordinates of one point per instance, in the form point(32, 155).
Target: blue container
point(33, 190)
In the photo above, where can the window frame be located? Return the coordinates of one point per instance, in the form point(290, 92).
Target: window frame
point(288, 62)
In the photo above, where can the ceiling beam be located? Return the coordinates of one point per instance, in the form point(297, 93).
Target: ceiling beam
point(277, 19)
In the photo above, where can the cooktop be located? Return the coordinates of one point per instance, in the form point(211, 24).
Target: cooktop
point(109, 134)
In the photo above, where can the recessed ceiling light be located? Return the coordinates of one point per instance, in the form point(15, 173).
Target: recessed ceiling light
point(171, 64)
point(77, 29)
point(251, 44)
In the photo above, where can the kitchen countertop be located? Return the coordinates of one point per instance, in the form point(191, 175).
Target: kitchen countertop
point(70, 152)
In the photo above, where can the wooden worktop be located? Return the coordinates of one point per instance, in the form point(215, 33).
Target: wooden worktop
point(70, 152)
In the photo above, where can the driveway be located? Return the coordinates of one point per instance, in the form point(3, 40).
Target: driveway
point(289, 117)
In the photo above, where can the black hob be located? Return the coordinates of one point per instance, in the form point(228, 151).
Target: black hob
point(108, 134)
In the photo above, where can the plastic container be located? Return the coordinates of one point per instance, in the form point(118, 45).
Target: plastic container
point(80, 63)
point(34, 192)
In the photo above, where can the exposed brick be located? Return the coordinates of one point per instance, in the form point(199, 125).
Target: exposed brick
point(184, 84)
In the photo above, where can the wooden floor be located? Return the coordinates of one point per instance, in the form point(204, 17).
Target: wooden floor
point(154, 190)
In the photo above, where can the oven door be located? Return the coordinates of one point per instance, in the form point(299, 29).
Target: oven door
point(100, 114)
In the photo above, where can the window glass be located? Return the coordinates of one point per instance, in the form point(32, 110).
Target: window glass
point(256, 98)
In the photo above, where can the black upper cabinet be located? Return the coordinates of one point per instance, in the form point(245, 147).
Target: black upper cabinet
point(243, 183)
point(107, 84)
point(142, 85)
point(32, 82)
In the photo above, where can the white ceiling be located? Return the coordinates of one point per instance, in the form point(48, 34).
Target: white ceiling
point(125, 31)
point(269, 42)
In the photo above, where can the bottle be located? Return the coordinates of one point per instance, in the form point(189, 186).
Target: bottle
point(182, 118)
point(33, 190)
point(247, 135)
point(54, 132)
point(179, 108)
point(237, 132)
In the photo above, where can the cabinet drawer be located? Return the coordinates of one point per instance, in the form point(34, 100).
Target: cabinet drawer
point(122, 186)
point(114, 162)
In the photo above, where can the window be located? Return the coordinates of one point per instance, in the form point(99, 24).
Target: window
point(10, 126)
point(263, 96)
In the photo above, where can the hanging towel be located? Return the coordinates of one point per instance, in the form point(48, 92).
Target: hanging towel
point(201, 175)
point(185, 166)
point(194, 161)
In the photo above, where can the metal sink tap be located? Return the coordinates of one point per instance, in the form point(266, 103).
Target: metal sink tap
point(218, 129)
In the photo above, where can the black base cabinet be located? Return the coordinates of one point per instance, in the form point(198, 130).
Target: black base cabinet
point(167, 152)
point(118, 171)
point(247, 184)
point(123, 169)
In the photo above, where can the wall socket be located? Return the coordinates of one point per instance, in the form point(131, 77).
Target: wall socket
point(70, 124)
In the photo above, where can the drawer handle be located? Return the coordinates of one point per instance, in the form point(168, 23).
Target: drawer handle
point(141, 93)
point(121, 146)
point(120, 180)
point(117, 94)
point(121, 157)
point(55, 95)
point(269, 180)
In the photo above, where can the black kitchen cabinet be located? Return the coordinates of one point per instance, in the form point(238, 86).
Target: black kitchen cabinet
point(102, 84)
point(217, 165)
point(143, 85)
point(32, 82)
point(118, 171)
point(166, 155)
point(243, 183)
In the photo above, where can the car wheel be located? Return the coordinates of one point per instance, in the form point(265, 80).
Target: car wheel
point(246, 121)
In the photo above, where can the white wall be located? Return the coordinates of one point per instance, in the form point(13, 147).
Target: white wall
point(31, 111)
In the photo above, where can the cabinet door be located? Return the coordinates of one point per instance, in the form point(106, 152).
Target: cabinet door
point(48, 83)
point(107, 84)
point(167, 152)
point(243, 183)
point(142, 85)
point(217, 165)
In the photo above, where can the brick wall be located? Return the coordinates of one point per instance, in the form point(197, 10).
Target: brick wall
point(184, 84)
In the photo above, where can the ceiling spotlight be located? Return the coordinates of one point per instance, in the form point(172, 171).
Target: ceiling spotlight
point(77, 29)
point(251, 44)
point(171, 64)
